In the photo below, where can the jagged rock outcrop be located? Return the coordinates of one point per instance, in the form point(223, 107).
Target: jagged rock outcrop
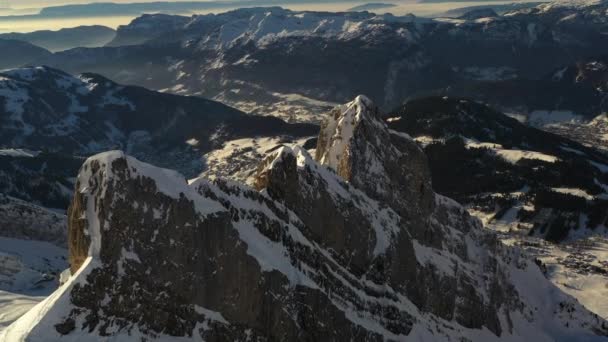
point(306, 255)
point(386, 166)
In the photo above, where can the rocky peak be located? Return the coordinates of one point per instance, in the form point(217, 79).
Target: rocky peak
point(388, 166)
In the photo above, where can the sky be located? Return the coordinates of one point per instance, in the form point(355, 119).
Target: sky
point(47, 3)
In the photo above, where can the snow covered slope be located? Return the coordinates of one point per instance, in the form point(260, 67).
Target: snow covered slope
point(29, 271)
point(156, 257)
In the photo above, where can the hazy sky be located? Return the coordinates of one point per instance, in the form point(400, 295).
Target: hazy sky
point(42, 3)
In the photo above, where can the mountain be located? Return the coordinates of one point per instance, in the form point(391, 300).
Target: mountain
point(479, 13)
point(548, 184)
point(48, 110)
point(371, 6)
point(50, 121)
point(572, 92)
point(43, 178)
point(498, 8)
point(17, 53)
point(542, 192)
point(317, 240)
point(67, 38)
point(243, 55)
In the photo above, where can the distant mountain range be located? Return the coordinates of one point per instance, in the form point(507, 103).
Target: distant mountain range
point(17, 53)
point(240, 54)
point(138, 8)
point(64, 39)
point(371, 6)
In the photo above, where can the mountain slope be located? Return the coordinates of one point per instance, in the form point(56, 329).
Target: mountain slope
point(550, 185)
point(44, 109)
point(155, 257)
point(575, 92)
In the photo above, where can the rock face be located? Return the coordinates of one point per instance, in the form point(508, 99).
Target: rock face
point(314, 252)
point(386, 166)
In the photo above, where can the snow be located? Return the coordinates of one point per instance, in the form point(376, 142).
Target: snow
point(212, 315)
point(28, 272)
point(18, 152)
point(510, 155)
point(341, 131)
point(15, 95)
point(575, 192)
point(289, 107)
point(602, 167)
point(426, 140)
point(430, 256)
point(13, 306)
point(27, 74)
point(192, 142)
point(559, 75)
point(168, 182)
point(589, 288)
point(238, 159)
point(271, 255)
point(514, 156)
point(540, 118)
point(29, 266)
point(32, 325)
point(263, 25)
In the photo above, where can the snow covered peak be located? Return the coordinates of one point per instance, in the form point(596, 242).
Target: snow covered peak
point(363, 151)
point(261, 26)
point(339, 129)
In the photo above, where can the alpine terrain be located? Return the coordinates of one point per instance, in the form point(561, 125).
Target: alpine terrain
point(354, 236)
point(209, 171)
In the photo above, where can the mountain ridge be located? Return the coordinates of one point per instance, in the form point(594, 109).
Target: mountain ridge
point(272, 237)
